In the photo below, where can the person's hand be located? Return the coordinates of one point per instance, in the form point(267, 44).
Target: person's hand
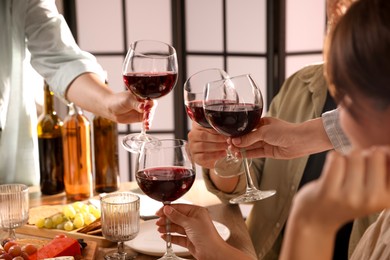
point(206, 145)
point(126, 108)
point(91, 94)
point(197, 232)
point(350, 186)
point(275, 138)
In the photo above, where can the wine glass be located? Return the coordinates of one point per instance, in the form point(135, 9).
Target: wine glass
point(165, 173)
point(120, 221)
point(149, 71)
point(235, 110)
point(14, 207)
point(193, 93)
point(194, 87)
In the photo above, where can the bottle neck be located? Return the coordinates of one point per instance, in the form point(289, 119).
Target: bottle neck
point(48, 101)
point(74, 110)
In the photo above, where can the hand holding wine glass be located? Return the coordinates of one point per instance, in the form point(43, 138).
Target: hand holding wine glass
point(233, 107)
point(120, 221)
point(194, 87)
point(165, 173)
point(193, 100)
point(14, 207)
point(149, 72)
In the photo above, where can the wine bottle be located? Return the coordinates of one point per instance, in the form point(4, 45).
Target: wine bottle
point(51, 162)
point(106, 164)
point(77, 155)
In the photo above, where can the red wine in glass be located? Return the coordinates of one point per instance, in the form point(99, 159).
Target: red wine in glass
point(195, 111)
point(194, 94)
point(233, 120)
point(165, 172)
point(165, 184)
point(149, 71)
point(237, 113)
point(150, 85)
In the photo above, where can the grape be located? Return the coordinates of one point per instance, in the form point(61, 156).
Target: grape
point(15, 250)
point(77, 205)
point(29, 249)
point(79, 215)
point(75, 215)
point(68, 226)
point(40, 223)
point(8, 245)
point(5, 241)
point(60, 226)
point(48, 223)
point(95, 212)
point(92, 208)
point(69, 211)
point(6, 256)
point(78, 222)
point(24, 256)
point(57, 219)
point(84, 209)
point(89, 218)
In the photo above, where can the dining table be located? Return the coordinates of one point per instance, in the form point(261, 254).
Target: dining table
point(227, 214)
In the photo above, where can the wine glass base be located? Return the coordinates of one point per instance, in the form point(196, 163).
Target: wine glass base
point(114, 255)
point(253, 195)
point(171, 257)
point(134, 142)
point(230, 167)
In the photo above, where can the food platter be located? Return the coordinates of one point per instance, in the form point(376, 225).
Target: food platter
point(88, 253)
point(31, 229)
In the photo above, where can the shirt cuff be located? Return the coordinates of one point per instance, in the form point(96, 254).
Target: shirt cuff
point(334, 131)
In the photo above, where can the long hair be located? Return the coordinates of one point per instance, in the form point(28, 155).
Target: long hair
point(358, 54)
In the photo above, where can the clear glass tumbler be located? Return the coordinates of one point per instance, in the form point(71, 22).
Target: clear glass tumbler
point(14, 206)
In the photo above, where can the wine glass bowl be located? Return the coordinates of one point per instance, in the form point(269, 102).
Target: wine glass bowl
point(193, 100)
point(233, 107)
point(165, 173)
point(120, 221)
point(194, 93)
point(149, 71)
point(14, 207)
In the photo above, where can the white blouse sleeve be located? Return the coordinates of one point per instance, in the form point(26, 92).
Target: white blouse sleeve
point(333, 129)
point(54, 52)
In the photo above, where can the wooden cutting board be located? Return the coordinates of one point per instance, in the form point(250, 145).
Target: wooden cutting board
point(32, 230)
point(44, 211)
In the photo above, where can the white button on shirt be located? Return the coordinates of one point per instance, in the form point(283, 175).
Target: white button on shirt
point(36, 25)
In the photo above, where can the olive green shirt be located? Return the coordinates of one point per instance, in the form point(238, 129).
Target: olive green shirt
point(302, 97)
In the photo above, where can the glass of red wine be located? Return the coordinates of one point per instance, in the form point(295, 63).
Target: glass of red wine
point(194, 87)
point(233, 107)
point(165, 172)
point(149, 71)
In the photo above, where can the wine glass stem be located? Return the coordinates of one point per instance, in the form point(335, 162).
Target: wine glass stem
point(249, 182)
point(11, 234)
point(121, 250)
point(169, 250)
point(147, 117)
point(143, 129)
point(230, 155)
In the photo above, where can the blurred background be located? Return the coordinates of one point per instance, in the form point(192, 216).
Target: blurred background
point(270, 39)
